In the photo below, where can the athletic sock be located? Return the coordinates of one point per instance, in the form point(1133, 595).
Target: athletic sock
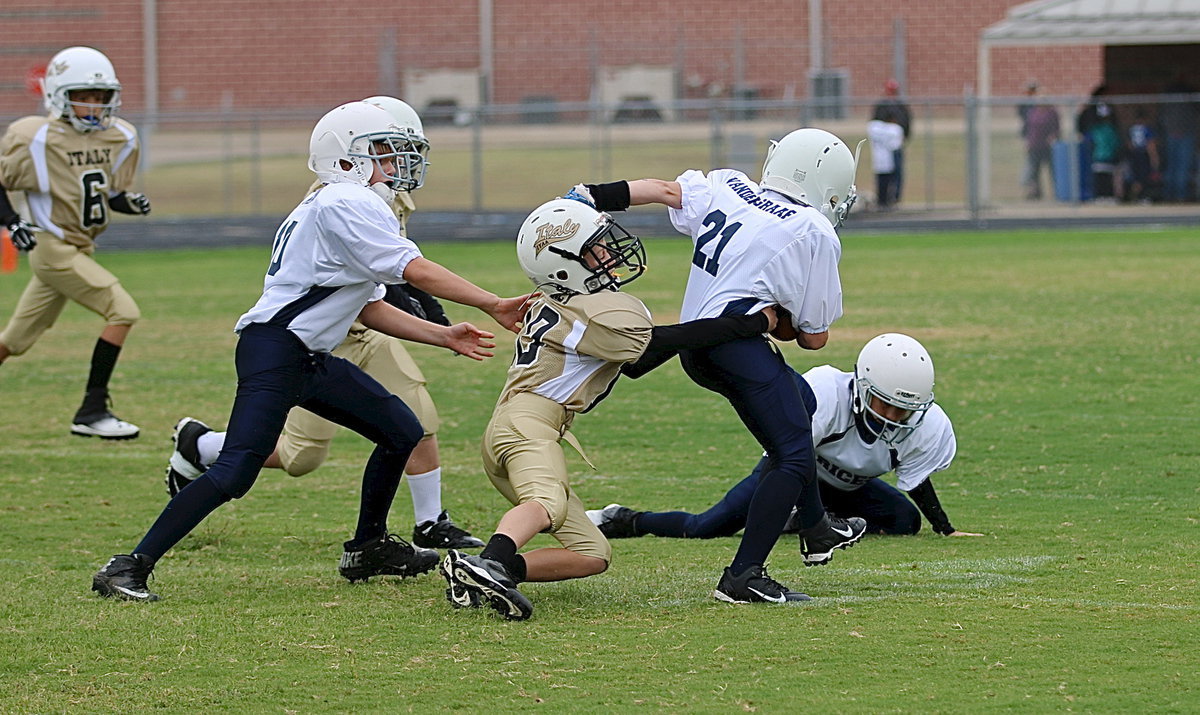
point(503, 549)
point(662, 523)
point(426, 492)
point(95, 397)
point(104, 359)
point(380, 481)
point(777, 491)
point(209, 445)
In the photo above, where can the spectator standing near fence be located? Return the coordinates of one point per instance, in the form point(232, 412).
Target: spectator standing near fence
point(891, 110)
point(1040, 129)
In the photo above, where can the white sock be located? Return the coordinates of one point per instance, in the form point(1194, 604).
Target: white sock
point(209, 446)
point(426, 494)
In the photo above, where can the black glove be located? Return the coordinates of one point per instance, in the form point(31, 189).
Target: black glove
point(19, 233)
point(130, 203)
point(139, 202)
point(430, 306)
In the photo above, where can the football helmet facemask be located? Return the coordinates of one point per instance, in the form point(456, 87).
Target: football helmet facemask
point(81, 68)
point(815, 168)
point(898, 370)
point(567, 248)
point(414, 158)
point(362, 136)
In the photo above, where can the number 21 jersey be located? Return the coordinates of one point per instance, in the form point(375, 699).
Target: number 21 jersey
point(753, 248)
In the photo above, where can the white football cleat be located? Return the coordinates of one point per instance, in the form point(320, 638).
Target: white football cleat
point(106, 427)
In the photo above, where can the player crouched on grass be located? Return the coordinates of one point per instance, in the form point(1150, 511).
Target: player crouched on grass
point(880, 418)
point(330, 260)
point(578, 338)
point(75, 166)
point(304, 444)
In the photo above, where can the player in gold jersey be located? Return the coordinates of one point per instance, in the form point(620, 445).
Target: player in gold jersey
point(74, 165)
point(579, 336)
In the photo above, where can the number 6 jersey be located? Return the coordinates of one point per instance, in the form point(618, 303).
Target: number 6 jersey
point(754, 248)
point(68, 176)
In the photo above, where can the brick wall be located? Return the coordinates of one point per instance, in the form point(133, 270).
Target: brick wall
point(271, 55)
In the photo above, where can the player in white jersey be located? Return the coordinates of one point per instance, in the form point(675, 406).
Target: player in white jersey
point(74, 166)
point(306, 439)
point(581, 334)
point(866, 423)
point(756, 245)
point(330, 260)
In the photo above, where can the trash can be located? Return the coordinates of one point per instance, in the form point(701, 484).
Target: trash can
point(1072, 165)
point(1061, 156)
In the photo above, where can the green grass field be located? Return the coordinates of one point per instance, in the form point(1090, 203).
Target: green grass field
point(1068, 362)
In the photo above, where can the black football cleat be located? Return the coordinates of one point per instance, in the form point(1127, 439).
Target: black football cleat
point(457, 593)
point(444, 534)
point(124, 577)
point(818, 543)
point(615, 521)
point(754, 586)
point(491, 581)
point(387, 555)
point(185, 464)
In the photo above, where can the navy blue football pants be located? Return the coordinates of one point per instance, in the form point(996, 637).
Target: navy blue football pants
point(753, 376)
point(885, 508)
point(276, 372)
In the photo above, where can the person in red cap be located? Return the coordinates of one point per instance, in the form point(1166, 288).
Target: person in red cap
point(891, 110)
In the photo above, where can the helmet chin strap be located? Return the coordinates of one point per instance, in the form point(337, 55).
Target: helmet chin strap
point(383, 191)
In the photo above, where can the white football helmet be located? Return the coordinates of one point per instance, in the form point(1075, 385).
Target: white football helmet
point(363, 136)
point(898, 370)
point(815, 168)
point(567, 247)
point(416, 154)
point(77, 68)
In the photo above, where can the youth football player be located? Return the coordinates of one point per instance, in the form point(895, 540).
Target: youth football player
point(330, 259)
point(877, 419)
point(75, 165)
point(760, 244)
point(578, 338)
point(304, 444)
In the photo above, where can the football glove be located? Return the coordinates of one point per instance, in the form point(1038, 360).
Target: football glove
point(20, 234)
point(580, 193)
point(139, 202)
point(130, 203)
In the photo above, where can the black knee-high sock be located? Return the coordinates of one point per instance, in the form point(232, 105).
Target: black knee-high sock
point(769, 510)
point(380, 480)
point(104, 359)
point(503, 549)
point(182, 514)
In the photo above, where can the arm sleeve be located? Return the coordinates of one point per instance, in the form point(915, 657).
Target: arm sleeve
point(119, 202)
point(667, 340)
point(926, 499)
point(613, 196)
